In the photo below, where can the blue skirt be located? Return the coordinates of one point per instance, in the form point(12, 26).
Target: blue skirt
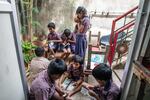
point(81, 45)
point(72, 47)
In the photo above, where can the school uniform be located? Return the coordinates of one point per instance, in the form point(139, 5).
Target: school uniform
point(109, 92)
point(42, 88)
point(81, 41)
point(75, 74)
point(72, 45)
point(38, 64)
point(53, 36)
point(62, 45)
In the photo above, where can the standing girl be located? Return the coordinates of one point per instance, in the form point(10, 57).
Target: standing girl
point(81, 41)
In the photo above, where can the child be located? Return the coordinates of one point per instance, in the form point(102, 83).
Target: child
point(106, 90)
point(75, 73)
point(72, 41)
point(38, 63)
point(81, 41)
point(53, 38)
point(44, 87)
point(65, 45)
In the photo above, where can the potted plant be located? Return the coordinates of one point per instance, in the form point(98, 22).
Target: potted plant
point(28, 53)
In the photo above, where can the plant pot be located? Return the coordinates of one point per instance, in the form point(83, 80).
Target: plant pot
point(38, 43)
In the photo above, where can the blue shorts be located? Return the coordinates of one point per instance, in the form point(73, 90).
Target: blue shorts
point(54, 46)
point(64, 47)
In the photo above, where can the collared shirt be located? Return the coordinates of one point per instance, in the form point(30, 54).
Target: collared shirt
point(86, 24)
point(75, 74)
point(42, 88)
point(53, 36)
point(111, 94)
point(71, 37)
point(38, 64)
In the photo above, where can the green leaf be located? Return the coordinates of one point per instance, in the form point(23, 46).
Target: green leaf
point(36, 24)
point(35, 10)
point(28, 48)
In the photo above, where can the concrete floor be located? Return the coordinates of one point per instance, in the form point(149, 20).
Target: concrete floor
point(91, 80)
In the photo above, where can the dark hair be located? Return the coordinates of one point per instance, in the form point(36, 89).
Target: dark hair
point(67, 32)
point(77, 59)
point(56, 66)
point(51, 25)
point(102, 72)
point(63, 37)
point(39, 51)
point(81, 9)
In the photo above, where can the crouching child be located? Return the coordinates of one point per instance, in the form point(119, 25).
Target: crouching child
point(75, 74)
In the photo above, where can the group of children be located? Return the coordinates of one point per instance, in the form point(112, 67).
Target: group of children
point(64, 42)
point(48, 84)
point(106, 88)
point(70, 42)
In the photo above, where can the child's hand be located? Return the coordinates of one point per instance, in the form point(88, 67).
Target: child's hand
point(92, 93)
point(89, 87)
point(68, 44)
point(68, 40)
point(65, 42)
point(45, 48)
point(87, 72)
point(68, 98)
point(61, 86)
point(61, 92)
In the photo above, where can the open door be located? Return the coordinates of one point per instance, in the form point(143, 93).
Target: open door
point(12, 74)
